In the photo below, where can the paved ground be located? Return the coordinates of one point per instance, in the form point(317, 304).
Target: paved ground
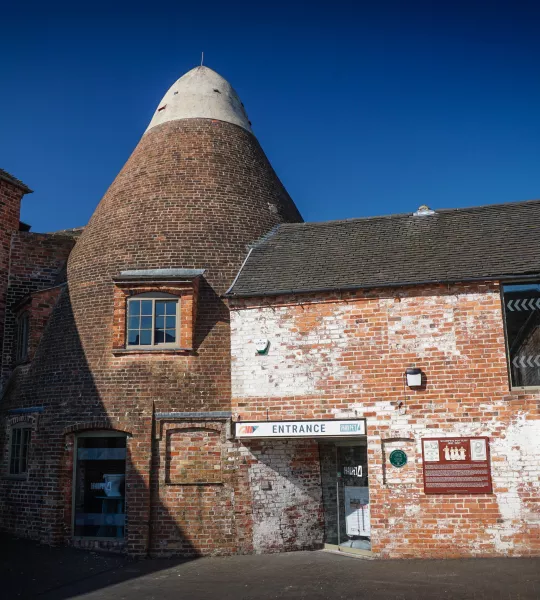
point(28, 570)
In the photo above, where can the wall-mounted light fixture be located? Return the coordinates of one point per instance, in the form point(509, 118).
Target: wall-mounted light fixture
point(414, 377)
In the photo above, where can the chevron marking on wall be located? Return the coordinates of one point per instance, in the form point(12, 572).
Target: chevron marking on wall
point(522, 362)
point(522, 304)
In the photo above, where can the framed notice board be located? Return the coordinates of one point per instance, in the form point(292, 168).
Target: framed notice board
point(456, 465)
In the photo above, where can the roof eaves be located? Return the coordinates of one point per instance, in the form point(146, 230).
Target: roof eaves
point(5, 176)
point(285, 292)
point(159, 274)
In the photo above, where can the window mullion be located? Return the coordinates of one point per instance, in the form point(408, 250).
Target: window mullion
point(153, 321)
point(19, 466)
point(178, 321)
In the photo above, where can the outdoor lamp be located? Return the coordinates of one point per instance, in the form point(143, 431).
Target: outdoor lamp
point(414, 377)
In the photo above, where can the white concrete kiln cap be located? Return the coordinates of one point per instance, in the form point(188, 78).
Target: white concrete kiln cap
point(201, 94)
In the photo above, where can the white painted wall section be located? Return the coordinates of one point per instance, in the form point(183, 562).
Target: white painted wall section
point(201, 94)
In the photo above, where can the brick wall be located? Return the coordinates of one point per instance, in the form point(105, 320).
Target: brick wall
point(286, 499)
point(194, 194)
point(345, 356)
point(10, 210)
point(36, 261)
point(195, 467)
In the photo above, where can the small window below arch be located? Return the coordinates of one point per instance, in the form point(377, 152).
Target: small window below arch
point(99, 486)
point(18, 449)
point(23, 328)
point(153, 319)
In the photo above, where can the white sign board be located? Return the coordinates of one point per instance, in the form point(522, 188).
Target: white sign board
point(357, 513)
point(295, 429)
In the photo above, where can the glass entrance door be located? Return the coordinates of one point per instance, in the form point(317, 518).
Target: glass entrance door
point(344, 478)
point(353, 497)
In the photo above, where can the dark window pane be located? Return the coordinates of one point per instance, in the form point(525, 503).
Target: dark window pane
point(146, 337)
point(170, 322)
point(22, 337)
point(134, 307)
point(133, 322)
point(100, 487)
point(20, 441)
point(160, 308)
point(522, 317)
point(146, 307)
point(160, 322)
point(146, 322)
point(170, 336)
point(171, 307)
point(133, 337)
point(159, 337)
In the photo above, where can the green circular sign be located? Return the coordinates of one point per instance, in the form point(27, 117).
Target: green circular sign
point(398, 458)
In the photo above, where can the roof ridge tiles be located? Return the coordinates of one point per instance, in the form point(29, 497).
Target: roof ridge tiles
point(461, 209)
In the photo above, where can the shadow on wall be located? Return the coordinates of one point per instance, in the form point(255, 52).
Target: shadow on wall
point(287, 500)
point(57, 397)
point(211, 311)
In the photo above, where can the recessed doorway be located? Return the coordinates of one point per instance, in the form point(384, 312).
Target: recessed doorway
point(345, 488)
point(99, 485)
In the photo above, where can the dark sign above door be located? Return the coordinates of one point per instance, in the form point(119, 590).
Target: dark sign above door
point(456, 465)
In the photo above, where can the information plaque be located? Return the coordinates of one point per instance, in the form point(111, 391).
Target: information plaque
point(456, 465)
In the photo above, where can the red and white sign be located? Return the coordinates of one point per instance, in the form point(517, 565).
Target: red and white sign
point(456, 465)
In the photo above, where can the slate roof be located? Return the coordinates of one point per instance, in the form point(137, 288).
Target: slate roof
point(14, 181)
point(496, 241)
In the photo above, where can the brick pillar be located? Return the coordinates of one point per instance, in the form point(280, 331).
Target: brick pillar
point(11, 193)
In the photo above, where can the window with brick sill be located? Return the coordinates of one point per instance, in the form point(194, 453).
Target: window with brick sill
point(522, 327)
point(154, 311)
point(153, 320)
point(19, 449)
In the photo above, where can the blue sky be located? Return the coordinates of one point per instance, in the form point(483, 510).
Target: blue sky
point(363, 108)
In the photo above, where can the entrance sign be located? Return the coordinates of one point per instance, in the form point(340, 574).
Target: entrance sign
point(456, 465)
point(295, 429)
point(398, 458)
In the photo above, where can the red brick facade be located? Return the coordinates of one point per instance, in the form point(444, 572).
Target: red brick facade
point(35, 276)
point(196, 194)
point(10, 210)
point(344, 356)
point(193, 195)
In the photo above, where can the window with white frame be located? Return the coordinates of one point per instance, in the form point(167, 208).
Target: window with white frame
point(153, 319)
point(23, 326)
point(18, 451)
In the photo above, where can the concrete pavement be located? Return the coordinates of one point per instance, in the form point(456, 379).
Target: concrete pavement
point(28, 570)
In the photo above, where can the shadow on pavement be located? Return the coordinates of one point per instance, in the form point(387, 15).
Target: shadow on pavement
point(31, 570)
point(28, 570)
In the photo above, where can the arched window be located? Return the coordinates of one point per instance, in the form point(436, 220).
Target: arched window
point(23, 326)
point(153, 319)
